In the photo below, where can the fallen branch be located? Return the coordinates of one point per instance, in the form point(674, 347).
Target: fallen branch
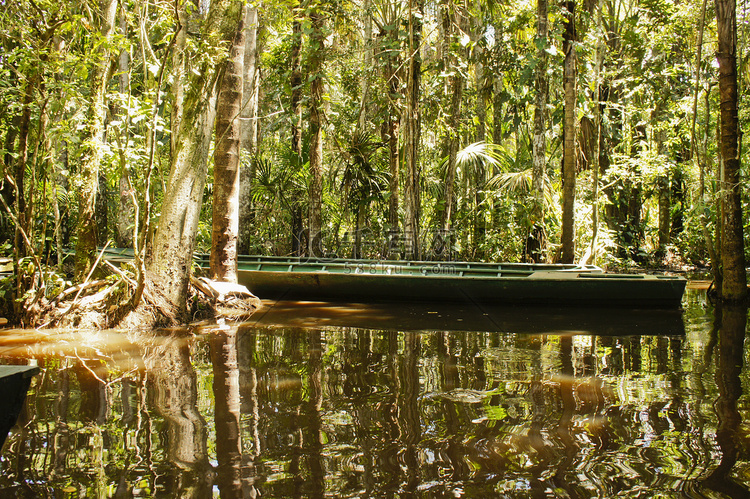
point(120, 273)
point(78, 289)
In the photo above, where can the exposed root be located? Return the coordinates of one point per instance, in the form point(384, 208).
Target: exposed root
point(103, 304)
point(221, 300)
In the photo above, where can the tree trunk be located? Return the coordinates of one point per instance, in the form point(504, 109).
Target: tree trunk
point(539, 144)
point(249, 129)
point(317, 58)
point(125, 212)
point(226, 200)
point(392, 126)
point(365, 101)
point(665, 208)
point(413, 132)
point(298, 248)
point(455, 91)
point(480, 178)
point(497, 110)
point(734, 286)
point(597, 152)
point(88, 176)
point(23, 156)
point(569, 135)
point(480, 105)
point(171, 257)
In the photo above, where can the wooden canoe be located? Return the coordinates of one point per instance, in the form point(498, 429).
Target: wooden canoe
point(278, 278)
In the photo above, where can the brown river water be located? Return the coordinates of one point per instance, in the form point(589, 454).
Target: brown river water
point(321, 400)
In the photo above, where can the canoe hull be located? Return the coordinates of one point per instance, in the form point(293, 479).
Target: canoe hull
point(539, 288)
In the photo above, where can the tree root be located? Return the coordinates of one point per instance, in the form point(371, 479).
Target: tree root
point(103, 304)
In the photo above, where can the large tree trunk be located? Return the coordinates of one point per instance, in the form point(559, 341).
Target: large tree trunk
point(413, 132)
point(171, 257)
point(88, 176)
point(539, 144)
point(249, 129)
point(226, 201)
point(317, 58)
point(569, 135)
point(734, 285)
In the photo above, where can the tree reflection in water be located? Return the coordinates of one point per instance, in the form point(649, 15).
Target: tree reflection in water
point(226, 391)
point(173, 386)
point(273, 412)
point(732, 321)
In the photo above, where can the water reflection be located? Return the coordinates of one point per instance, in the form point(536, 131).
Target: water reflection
point(266, 411)
point(732, 321)
point(441, 316)
point(226, 391)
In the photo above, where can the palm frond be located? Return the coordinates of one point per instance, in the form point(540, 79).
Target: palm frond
point(479, 153)
point(511, 182)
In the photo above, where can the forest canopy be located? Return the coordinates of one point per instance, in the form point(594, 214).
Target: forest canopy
point(515, 131)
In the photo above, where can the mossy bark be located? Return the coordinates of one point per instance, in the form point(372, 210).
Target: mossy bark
point(171, 255)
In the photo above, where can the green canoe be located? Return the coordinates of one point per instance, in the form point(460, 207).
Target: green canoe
point(291, 278)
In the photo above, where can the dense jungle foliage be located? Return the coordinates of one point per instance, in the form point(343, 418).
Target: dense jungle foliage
point(373, 128)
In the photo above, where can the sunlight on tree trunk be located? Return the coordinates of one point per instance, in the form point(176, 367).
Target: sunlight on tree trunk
point(569, 134)
point(172, 249)
point(734, 285)
point(226, 201)
point(317, 60)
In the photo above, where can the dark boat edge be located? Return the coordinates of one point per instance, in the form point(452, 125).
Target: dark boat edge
point(14, 383)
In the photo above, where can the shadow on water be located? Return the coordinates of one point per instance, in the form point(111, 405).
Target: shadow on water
point(281, 408)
